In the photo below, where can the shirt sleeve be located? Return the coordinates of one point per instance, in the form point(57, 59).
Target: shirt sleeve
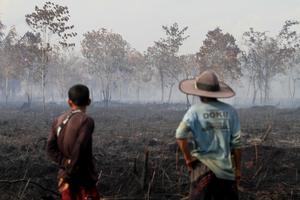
point(236, 132)
point(52, 147)
point(82, 146)
point(185, 125)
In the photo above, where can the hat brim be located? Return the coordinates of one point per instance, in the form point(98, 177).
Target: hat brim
point(188, 87)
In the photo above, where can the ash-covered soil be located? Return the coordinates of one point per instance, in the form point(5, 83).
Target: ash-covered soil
point(125, 134)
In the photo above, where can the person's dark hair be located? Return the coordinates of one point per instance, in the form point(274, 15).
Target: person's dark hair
point(79, 94)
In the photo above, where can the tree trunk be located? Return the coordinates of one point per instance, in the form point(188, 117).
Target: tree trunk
point(28, 98)
point(292, 88)
point(100, 95)
point(105, 100)
point(254, 96)
point(266, 90)
point(162, 86)
point(120, 92)
point(260, 86)
point(43, 71)
point(188, 104)
point(254, 93)
point(44, 61)
point(6, 88)
point(261, 89)
point(92, 93)
point(29, 89)
point(138, 93)
point(106, 95)
point(170, 93)
point(43, 88)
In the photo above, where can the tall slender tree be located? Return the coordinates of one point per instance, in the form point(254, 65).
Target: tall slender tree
point(29, 58)
point(138, 70)
point(1, 30)
point(289, 41)
point(9, 63)
point(263, 60)
point(189, 68)
point(50, 20)
point(164, 56)
point(106, 53)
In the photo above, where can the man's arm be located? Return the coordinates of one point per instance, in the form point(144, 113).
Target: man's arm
point(236, 145)
point(183, 145)
point(181, 138)
point(52, 148)
point(237, 161)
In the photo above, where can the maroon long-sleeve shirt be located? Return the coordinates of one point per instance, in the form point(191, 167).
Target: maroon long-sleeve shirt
point(71, 149)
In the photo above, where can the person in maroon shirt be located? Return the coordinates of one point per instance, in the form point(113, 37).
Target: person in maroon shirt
point(70, 146)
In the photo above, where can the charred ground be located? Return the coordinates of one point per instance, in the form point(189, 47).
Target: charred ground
point(126, 135)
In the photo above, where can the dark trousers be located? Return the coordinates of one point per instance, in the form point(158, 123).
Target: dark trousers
point(206, 186)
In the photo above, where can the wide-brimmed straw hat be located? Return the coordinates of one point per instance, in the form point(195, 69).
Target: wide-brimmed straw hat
point(206, 84)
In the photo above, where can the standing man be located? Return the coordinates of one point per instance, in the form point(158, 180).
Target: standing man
point(70, 146)
point(215, 161)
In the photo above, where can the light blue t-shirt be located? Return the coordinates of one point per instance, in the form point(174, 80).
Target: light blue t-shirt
point(216, 131)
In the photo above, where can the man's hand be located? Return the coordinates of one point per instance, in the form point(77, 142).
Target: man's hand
point(237, 162)
point(191, 164)
point(183, 145)
point(62, 185)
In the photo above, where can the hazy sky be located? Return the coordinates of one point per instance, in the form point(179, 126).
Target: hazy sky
point(139, 21)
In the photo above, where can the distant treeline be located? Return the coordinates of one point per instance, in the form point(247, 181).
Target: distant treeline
point(42, 63)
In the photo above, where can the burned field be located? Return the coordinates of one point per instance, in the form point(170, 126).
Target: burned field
point(137, 157)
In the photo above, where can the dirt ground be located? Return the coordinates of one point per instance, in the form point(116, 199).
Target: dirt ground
point(126, 134)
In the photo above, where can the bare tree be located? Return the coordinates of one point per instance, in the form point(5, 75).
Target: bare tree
point(189, 65)
point(263, 60)
point(9, 63)
point(164, 56)
point(189, 68)
point(29, 58)
point(62, 71)
point(50, 20)
point(2, 53)
point(290, 43)
point(106, 52)
point(220, 53)
point(139, 71)
point(1, 30)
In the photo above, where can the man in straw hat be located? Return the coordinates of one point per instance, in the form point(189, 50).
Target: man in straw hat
point(215, 161)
